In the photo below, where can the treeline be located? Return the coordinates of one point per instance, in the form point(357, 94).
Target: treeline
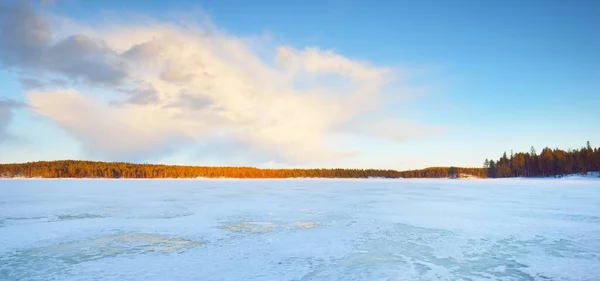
point(92, 169)
point(550, 162)
point(445, 172)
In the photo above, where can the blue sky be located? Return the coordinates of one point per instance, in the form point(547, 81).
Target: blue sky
point(471, 79)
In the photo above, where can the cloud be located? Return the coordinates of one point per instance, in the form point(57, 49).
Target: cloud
point(165, 85)
point(142, 94)
point(28, 44)
point(6, 115)
point(114, 132)
point(29, 83)
point(314, 60)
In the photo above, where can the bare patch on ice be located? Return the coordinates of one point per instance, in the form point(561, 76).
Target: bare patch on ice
point(51, 218)
point(106, 212)
point(260, 227)
point(305, 225)
point(252, 227)
point(79, 216)
point(112, 245)
point(56, 258)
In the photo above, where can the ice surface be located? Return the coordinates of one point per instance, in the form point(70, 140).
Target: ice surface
point(505, 229)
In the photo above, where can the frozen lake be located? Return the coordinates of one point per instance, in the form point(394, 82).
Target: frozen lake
point(547, 229)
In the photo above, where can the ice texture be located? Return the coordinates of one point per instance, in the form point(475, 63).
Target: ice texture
point(300, 229)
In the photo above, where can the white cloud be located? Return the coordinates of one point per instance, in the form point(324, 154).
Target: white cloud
point(314, 60)
point(182, 85)
point(116, 132)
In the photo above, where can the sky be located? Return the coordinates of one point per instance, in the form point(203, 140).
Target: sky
point(352, 84)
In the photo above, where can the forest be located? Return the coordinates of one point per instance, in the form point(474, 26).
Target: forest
point(548, 163)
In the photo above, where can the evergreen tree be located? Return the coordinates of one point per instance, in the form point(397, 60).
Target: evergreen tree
point(453, 173)
point(492, 169)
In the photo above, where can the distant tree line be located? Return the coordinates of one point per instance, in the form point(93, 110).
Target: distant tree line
point(550, 162)
point(93, 169)
point(444, 172)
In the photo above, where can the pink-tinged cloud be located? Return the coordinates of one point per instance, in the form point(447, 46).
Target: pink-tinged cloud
point(187, 85)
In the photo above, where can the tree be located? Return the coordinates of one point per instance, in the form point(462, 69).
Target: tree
point(492, 169)
point(518, 165)
point(453, 173)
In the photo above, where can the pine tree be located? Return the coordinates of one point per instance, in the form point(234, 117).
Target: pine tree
point(492, 169)
point(453, 173)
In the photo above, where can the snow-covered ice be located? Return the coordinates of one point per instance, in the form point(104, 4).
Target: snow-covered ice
point(515, 229)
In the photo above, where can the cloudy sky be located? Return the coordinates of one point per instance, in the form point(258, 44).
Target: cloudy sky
point(381, 84)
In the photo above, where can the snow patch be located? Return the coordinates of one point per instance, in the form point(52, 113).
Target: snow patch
point(254, 227)
point(305, 225)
